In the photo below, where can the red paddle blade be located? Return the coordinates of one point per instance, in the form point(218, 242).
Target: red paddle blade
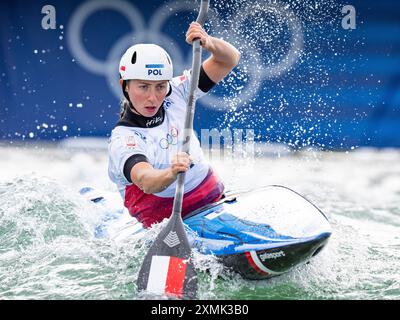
point(167, 276)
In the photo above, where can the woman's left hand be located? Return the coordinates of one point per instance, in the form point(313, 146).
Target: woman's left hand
point(224, 56)
point(196, 31)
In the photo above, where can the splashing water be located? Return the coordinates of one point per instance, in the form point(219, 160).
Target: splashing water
point(47, 246)
point(286, 84)
point(48, 249)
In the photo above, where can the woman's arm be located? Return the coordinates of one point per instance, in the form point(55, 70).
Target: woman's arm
point(152, 180)
point(224, 56)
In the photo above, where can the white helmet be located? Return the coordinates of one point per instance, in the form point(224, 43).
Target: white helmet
point(146, 62)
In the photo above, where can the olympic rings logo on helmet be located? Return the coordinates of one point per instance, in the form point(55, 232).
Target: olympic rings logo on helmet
point(255, 70)
point(171, 139)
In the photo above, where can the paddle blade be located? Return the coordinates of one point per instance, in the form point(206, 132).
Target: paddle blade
point(167, 269)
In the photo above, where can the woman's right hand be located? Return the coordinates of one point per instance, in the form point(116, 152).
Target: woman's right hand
point(180, 163)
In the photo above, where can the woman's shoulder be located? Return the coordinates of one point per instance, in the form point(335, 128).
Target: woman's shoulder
point(180, 84)
point(127, 132)
point(182, 79)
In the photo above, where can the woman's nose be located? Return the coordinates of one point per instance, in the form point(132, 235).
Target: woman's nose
point(152, 94)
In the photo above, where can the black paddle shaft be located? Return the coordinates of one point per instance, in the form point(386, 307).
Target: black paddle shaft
point(172, 242)
point(194, 83)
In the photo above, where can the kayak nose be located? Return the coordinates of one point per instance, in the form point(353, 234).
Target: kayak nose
point(262, 264)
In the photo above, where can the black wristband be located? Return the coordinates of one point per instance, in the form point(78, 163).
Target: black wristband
point(205, 83)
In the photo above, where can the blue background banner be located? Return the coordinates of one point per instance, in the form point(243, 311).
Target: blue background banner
point(309, 74)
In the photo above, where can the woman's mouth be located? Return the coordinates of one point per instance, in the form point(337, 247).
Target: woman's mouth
point(151, 109)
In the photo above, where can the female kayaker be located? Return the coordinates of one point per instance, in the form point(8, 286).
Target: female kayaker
point(143, 151)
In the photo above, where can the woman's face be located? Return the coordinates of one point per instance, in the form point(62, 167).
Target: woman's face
point(147, 96)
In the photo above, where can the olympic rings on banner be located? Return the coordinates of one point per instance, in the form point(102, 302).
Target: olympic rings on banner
point(254, 72)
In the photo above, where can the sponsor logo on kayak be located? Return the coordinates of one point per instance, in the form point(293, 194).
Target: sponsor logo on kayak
point(273, 255)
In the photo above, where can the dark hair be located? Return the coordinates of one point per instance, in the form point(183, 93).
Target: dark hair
point(124, 107)
point(125, 102)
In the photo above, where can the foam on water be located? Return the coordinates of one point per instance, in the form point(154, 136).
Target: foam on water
point(47, 247)
point(48, 250)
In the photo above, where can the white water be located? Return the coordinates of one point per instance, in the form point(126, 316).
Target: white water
point(47, 249)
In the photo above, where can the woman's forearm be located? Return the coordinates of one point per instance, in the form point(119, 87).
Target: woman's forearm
point(223, 53)
point(151, 180)
point(224, 56)
point(155, 180)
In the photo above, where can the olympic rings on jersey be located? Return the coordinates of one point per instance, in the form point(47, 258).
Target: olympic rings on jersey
point(253, 73)
point(170, 140)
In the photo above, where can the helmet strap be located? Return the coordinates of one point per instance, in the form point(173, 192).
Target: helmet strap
point(169, 89)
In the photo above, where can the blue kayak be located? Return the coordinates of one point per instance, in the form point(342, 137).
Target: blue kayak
point(258, 233)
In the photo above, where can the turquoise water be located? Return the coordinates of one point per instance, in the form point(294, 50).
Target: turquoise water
point(48, 251)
